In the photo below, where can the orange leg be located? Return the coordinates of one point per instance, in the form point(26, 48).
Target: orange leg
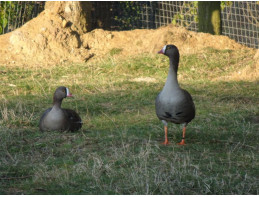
point(182, 142)
point(166, 139)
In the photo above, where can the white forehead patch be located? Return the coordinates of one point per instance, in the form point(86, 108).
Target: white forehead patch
point(67, 91)
point(164, 48)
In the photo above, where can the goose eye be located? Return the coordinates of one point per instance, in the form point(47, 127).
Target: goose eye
point(168, 47)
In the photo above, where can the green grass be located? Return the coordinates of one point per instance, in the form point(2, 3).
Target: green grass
point(119, 150)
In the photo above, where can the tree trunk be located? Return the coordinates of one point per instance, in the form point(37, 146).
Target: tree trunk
point(209, 17)
point(75, 14)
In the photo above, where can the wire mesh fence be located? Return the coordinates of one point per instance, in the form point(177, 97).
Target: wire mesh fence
point(151, 14)
point(14, 14)
point(240, 19)
point(183, 13)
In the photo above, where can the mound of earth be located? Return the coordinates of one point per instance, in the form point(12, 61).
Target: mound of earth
point(48, 40)
point(43, 40)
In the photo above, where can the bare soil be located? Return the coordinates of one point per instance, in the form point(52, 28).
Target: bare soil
point(48, 40)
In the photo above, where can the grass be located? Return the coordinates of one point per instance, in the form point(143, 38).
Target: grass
point(118, 150)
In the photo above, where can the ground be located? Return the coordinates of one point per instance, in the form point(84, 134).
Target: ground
point(115, 77)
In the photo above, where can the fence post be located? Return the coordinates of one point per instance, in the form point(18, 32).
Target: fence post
point(209, 17)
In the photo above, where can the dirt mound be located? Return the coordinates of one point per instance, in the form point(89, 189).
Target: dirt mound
point(47, 39)
point(150, 41)
point(43, 40)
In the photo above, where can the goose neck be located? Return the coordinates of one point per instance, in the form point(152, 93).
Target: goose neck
point(172, 81)
point(57, 104)
point(173, 65)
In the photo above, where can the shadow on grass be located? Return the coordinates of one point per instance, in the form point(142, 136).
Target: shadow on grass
point(223, 114)
point(138, 99)
point(124, 123)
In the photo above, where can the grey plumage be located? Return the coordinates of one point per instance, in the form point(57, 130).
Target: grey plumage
point(56, 118)
point(174, 104)
point(177, 110)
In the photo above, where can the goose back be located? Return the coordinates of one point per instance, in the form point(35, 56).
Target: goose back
point(74, 120)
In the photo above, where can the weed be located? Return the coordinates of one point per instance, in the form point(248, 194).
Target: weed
point(115, 51)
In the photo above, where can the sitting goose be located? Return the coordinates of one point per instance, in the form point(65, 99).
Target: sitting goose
point(174, 104)
point(58, 119)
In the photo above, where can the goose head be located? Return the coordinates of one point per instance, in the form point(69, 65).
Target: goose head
point(172, 52)
point(61, 93)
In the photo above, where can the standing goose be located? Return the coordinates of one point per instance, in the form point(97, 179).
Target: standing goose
point(174, 104)
point(58, 119)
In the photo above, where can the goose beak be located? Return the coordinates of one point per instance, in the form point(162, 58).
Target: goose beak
point(68, 93)
point(160, 52)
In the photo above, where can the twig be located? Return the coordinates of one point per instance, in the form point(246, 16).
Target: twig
point(9, 155)
point(11, 178)
point(245, 145)
point(110, 119)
